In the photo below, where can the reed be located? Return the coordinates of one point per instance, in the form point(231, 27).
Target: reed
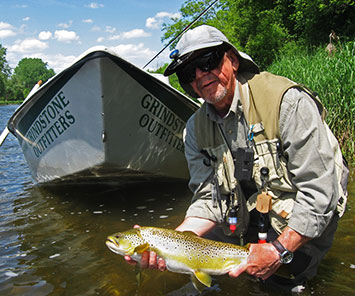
point(332, 77)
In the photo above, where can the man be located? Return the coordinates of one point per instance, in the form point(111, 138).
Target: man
point(259, 155)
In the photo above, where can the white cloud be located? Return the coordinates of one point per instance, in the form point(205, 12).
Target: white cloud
point(88, 21)
point(139, 55)
point(95, 28)
point(110, 29)
point(22, 29)
point(5, 26)
point(95, 5)
point(156, 21)
point(58, 62)
point(135, 53)
point(65, 36)
point(28, 46)
point(136, 33)
point(45, 35)
point(100, 39)
point(66, 25)
point(151, 22)
point(6, 33)
point(27, 18)
point(6, 30)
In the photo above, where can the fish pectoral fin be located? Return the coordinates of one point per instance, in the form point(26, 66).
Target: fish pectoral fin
point(197, 284)
point(141, 248)
point(130, 252)
point(203, 277)
point(247, 246)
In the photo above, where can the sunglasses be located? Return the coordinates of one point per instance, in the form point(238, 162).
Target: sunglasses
point(205, 62)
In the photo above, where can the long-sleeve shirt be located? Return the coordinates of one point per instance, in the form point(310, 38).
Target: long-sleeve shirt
point(310, 161)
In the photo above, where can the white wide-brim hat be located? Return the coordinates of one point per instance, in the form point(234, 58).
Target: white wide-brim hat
point(200, 38)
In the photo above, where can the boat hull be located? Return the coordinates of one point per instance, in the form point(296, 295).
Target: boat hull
point(103, 119)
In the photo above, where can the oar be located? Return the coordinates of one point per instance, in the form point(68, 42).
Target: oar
point(6, 131)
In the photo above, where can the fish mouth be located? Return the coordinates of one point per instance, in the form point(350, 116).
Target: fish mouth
point(112, 245)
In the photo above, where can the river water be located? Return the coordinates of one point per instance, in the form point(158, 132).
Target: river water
point(52, 242)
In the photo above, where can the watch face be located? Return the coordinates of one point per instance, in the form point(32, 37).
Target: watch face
point(286, 257)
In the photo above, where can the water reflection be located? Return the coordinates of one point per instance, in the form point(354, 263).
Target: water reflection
point(52, 242)
point(55, 245)
point(59, 235)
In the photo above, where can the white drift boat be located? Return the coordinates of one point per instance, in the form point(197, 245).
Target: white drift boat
point(103, 120)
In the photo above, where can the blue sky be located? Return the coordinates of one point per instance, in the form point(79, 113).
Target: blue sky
point(59, 31)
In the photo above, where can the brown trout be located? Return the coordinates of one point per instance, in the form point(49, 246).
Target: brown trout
point(183, 252)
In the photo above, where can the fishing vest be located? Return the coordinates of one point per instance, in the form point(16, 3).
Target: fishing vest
point(261, 107)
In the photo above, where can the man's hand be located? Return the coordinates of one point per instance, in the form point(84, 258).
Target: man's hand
point(263, 261)
point(148, 259)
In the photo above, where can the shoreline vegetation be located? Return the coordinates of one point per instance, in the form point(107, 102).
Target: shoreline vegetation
point(331, 75)
point(10, 102)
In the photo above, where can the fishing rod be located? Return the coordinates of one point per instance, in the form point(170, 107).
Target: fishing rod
point(182, 32)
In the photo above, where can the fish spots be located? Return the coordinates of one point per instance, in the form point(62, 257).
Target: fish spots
point(185, 251)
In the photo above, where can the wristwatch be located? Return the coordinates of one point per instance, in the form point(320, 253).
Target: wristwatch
point(286, 256)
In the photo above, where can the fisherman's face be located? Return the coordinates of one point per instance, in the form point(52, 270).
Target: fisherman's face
point(217, 86)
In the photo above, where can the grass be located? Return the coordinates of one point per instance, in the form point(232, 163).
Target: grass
point(332, 77)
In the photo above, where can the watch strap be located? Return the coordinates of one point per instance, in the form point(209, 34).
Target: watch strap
point(279, 247)
point(285, 255)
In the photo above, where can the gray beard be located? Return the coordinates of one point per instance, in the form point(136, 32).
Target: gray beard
point(218, 97)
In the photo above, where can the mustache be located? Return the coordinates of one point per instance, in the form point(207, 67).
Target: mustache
point(200, 83)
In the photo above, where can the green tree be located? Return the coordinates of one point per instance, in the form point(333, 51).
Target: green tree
point(253, 26)
point(189, 11)
point(4, 71)
point(262, 28)
point(4, 67)
point(173, 79)
point(313, 20)
point(2, 86)
point(28, 72)
point(14, 90)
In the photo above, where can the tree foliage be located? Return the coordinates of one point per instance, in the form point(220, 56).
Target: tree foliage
point(4, 70)
point(16, 86)
point(262, 28)
point(4, 67)
point(27, 73)
point(289, 38)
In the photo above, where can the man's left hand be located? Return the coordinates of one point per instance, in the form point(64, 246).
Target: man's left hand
point(262, 262)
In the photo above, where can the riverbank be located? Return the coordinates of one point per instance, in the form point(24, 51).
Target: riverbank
point(10, 102)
